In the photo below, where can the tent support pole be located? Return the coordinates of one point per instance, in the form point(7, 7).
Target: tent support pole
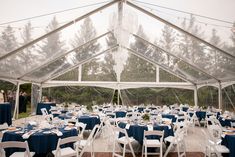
point(220, 96)
point(40, 94)
point(195, 96)
point(16, 110)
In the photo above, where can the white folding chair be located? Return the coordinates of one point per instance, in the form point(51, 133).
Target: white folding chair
point(44, 111)
point(214, 141)
point(16, 144)
point(153, 143)
point(66, 151)
point(112, 118)
point(82, 144)
point(177, 140)
point(124, 140)
point(81, 128)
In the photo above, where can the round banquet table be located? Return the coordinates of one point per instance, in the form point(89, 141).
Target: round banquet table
point(39, 142)
point(226, 122)
point(137, 131)
point(46, 105)
point(90, 121)
point(120, 114)
point(5, 113)
point(229, 142)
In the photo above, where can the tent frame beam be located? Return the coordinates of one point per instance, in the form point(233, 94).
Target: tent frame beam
point(178, 28)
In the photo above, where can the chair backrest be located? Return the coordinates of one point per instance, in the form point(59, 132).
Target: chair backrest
point(93, 133)
point(81, 127)
point(158, 133)
point(215, 133)
point(67, 140)
point(44, 111)
point(16, 144)
point(118, 130)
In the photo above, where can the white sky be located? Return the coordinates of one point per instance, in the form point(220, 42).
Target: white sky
point(11, 10)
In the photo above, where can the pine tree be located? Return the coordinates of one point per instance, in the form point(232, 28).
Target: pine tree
point(52, 46)
point(26, 57)
point(8, 43)
point(138, 69)
point(87, 32)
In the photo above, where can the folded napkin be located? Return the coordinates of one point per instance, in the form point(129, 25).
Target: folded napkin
point(127, 126)
point(150, 127)
point(27, 134)
point(57, 132)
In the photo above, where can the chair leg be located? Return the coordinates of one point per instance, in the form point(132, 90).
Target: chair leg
point(132, 150)
point(145, 152)
point(142, 151)
point(114, 146)
point(124, 151)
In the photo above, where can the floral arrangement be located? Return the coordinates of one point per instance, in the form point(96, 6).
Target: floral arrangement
point(146, 117)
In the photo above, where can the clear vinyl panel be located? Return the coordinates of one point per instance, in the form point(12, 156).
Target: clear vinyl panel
point(208, 97)
point(166, 61)
point(71, 60)
point(25, 31)
point(157, 96)
point(101, 68)
point(57, 44)
point(198, 55)
point(137, 69)
point(217, 31)
point(71, 75)
point(165, 76)
point(81, 95)
point(228, 94)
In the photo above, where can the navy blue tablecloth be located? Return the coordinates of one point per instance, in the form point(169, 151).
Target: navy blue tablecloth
point(39, 143)
point(5, 113)
point(140, 109)
point(229, 142)
point(185, 109)
point(46, 105)
point(90, 121)
point(226, 122)
point(120, 114)
point(169, 116)
point(137, 131)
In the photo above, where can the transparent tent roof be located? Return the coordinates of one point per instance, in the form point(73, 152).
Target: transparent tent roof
point(120, 44)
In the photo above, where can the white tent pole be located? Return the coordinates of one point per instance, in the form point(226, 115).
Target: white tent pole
point(157, 74)
point(220, 96)
point(40, 94)
point(118, 96)
point(16, 110)
point(195, 96)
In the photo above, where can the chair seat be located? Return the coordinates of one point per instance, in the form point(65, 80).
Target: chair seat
point(169, 139)
point(221, 149)
point(152, 143)
point(66, 152)
point(123, 140)
point(21, 154)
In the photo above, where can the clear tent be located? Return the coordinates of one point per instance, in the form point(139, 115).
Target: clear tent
point(119, 23)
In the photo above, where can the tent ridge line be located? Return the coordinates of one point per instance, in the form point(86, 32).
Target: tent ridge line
point(169, 53)
point(62, 55)
point(58, 29)
point(178, 28)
